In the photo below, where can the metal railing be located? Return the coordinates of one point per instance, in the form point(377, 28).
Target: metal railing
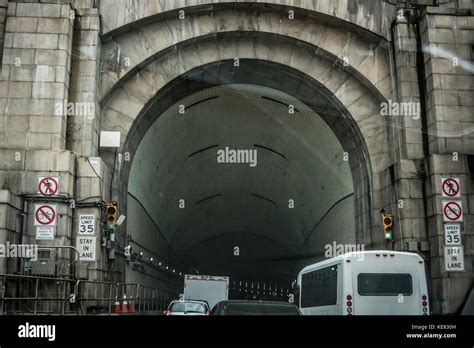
point(20, 294)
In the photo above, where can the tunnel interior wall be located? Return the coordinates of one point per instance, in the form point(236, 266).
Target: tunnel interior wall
point(145, 238)
point(338, 227)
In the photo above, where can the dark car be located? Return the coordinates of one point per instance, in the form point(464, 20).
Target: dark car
point(242, 307)
point(467, 308)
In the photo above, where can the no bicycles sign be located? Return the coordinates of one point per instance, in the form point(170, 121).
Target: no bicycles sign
point(45, 215)
point(452, 211)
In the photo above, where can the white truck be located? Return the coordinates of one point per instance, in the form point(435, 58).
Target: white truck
point(212, 289)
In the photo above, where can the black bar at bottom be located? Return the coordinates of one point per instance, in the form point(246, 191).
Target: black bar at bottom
point(135, 330)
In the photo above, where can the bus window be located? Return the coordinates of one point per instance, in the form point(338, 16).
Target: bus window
point(319, 288)
point(384, 284)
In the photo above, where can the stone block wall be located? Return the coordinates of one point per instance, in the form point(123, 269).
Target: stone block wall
point(406, 138)
point(10, 227)
point(48, 44)
point(83, 124)
point(3, 18)
point(449, 289)
point(92, 187)
point(35, 75)
point(448, 39)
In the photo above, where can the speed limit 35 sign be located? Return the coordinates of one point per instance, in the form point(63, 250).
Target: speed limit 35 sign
point(452, 234)
point(86, 225)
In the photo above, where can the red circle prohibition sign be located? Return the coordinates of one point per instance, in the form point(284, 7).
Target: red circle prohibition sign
point(44, 211)
point(450, 187)
point(50, 185)
point(455, 211)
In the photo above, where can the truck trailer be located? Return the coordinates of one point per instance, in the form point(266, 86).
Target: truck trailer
point(212, 289)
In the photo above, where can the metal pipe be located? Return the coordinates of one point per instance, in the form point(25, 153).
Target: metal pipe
point(57, 199)
point(23, 213)
point(36, 295)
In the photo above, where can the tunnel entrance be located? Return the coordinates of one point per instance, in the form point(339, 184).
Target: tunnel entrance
point(245, 175)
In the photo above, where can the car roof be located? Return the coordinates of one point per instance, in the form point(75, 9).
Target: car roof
point(357, 254)
point(189, 301)
point(467, 308)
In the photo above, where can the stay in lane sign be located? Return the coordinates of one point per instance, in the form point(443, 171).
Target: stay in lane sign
point(86, 247)
point(454, 259)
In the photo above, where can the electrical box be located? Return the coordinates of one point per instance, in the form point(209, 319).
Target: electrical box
point(45, 263)
point(112, 254)
point(425, 246)
point(412, 246)
point(109, 139)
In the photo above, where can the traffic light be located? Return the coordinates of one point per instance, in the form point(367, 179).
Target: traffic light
point(111, 211)
point(388, 226)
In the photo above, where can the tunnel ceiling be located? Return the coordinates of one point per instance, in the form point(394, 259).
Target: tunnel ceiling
point(235, 205)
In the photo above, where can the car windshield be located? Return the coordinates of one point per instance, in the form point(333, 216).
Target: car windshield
point(188, 307)
point(260, 309)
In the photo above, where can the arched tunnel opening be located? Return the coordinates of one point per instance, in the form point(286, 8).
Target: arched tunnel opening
point(143, 141)
point(241, 173)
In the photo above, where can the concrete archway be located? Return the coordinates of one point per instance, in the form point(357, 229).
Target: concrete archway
point(203, 85)
point(344, 91)
point(129, 50)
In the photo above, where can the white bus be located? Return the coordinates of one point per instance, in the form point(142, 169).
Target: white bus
point(365, 283)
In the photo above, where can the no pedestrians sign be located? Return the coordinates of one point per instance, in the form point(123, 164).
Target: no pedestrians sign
point(48, 185)
point(451, 188)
